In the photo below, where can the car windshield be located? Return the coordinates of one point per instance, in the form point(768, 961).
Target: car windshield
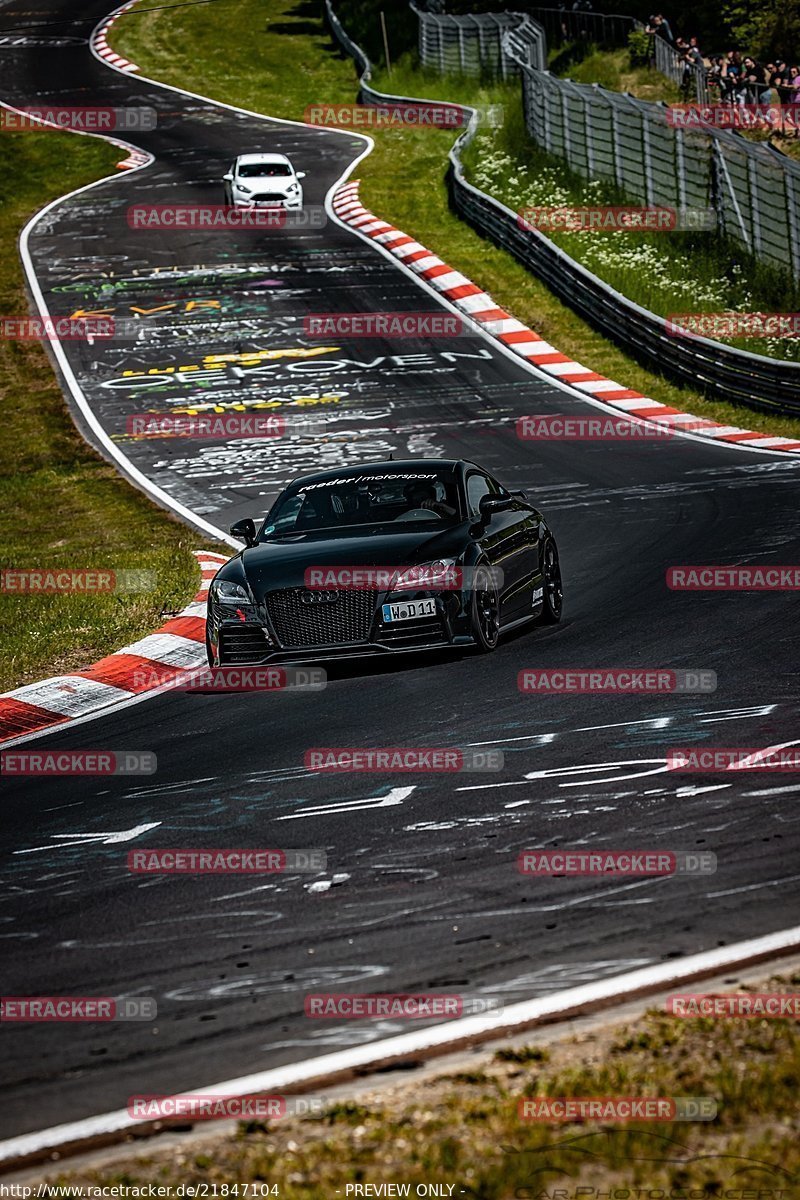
point(258, 170)
point(394, 501)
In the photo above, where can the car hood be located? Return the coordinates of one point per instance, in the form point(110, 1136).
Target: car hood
point(283, 564)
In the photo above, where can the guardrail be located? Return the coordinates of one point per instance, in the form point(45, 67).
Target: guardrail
point(752, 380)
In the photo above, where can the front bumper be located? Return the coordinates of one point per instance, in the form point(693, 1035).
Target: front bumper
point(255, 634)
point(290, 203)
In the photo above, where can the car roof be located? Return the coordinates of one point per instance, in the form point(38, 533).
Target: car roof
point(389, 466)
point(269, 158)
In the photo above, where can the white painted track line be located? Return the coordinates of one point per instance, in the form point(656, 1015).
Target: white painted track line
point(426, 1042)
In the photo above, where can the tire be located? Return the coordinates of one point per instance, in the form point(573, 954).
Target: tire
point(553, 590)
point(485, 610)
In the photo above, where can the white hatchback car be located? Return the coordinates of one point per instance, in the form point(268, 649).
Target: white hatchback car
point(264, 180)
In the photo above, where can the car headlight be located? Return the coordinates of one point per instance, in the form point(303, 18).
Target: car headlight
point(224, 591)
point(441, 575)
point(241, 188)
point(293, 187)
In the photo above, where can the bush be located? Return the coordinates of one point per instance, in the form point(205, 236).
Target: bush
point(639, 48)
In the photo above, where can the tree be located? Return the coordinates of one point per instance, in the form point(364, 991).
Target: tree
point(768, 30)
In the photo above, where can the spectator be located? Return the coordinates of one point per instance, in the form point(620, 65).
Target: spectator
point(692, 62)
point(661, 26)
point(756, 80)
point(794, 74)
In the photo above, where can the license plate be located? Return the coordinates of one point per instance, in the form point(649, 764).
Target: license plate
point(409, 609)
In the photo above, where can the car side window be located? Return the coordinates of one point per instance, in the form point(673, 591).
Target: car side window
point(478, 486)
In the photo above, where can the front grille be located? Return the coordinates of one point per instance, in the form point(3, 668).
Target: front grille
point(419, 632)
point(240, 644)
point(268, 196)
point(347, 619)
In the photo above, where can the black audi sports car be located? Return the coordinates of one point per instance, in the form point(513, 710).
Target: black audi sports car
point(381, 558)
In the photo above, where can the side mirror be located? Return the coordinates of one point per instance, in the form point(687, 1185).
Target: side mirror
point(228, 177)
point(299, 174)
point(493, 504)
point(245, 531)
point(521, 496)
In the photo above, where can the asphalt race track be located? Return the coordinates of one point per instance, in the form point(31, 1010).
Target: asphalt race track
point(421, 890)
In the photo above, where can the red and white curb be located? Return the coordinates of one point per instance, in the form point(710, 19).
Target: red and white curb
point(466, 296)
point(100, 46)
point(179, 645)
point(99, 41)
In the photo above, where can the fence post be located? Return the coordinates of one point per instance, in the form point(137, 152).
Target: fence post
point(647, 157)
point(548, 127)
point(615, 137)
point(755, 209)
point(680, 167)
point(794, 232)
point(587, 128)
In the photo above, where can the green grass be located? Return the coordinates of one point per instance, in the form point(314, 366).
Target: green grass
point(464, 1128)
point(612, 70)
point(201, 48)
point(61, 505)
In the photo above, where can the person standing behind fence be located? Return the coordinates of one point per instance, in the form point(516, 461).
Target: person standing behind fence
point(737, 88)
point(756, 80)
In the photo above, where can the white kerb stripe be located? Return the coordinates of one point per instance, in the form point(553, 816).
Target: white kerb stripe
point(472, 304)
point(168, 648)
point(567, 368)
point(69, 695)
